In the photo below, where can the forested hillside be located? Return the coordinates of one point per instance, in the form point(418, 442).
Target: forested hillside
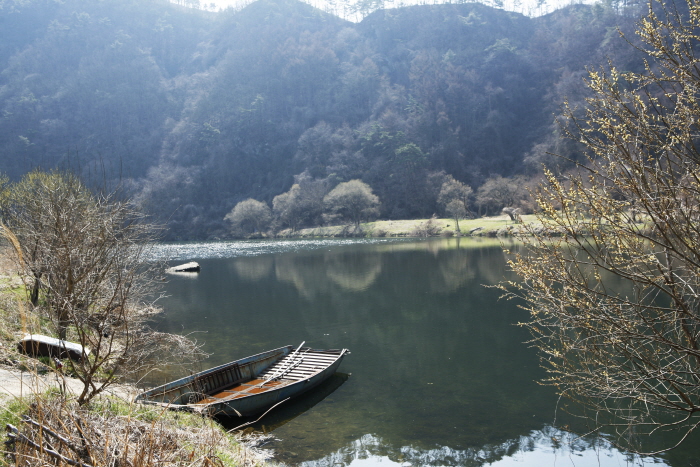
point(196, 111)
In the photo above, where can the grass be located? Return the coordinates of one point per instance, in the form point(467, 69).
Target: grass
point(11, 410)
point(483, 226)
point(115, 432)
point(109, 431)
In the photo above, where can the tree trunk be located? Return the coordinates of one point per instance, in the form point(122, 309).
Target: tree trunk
point(63, 323)
point(34, 296)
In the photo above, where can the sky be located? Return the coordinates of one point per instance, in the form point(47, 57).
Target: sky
point(527, 7)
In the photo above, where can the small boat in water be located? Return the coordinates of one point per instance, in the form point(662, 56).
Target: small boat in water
point(251, 385)
point(187, 267)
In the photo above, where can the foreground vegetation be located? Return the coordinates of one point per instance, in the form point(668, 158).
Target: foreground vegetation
point(52, 428)
point(614, 301)
point(74, 267)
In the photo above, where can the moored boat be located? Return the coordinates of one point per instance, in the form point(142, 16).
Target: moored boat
point(250, 385)
point(187, 267)
point(38, 345)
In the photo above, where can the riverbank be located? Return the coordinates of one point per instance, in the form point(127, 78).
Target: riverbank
point(21, 382)
point(494, 226)
point(39, 402)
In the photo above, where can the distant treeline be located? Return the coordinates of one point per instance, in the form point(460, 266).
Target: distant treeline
point(196, 111)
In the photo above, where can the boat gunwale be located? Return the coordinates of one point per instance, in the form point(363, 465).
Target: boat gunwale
point(290, 382)
point(272, 396)
point(146, 397)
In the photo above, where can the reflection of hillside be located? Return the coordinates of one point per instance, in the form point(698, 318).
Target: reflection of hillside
point(354, 272)
point(253, 268)
point(540, 447)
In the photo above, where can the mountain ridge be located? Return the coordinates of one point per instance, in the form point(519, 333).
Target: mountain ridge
point(197, 111)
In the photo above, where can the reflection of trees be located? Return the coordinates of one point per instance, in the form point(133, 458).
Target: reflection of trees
point(544, 445)
point(253, 268)
point(316, 274)
point(488, 274)
point(450, 268)
point(353, 272)
point(305, 272)
point(453, 270)
point(428, 350)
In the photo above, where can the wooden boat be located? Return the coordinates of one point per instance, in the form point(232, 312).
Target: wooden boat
point(187, 267)
point(251, 385)
point(37, 345)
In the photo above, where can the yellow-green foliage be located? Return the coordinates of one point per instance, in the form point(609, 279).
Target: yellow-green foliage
point(614, 299)
point(11, 409)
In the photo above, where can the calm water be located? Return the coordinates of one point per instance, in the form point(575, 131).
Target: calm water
point(438, 374)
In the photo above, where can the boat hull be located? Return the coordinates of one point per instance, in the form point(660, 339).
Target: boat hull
point(250, 406)
point(248, 386)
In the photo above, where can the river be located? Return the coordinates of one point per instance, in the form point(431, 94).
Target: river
point(439, 372)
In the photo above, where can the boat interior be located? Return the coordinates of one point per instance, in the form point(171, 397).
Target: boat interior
point(294, 367)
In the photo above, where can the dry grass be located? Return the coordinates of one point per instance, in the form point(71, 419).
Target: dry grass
point(53, 430)
point(9, 280)
point(483, 226)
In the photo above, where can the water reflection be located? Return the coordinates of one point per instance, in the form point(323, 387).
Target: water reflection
point(440, 374)
point(353, 272)
point(253, 269)
point(183, 275)
point(288, 411)
point(549, 446)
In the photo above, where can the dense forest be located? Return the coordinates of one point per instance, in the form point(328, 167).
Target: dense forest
point(194, 111)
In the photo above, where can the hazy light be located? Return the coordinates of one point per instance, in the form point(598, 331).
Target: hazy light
point(526, 7)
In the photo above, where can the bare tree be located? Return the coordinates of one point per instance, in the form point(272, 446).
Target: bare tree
point(302, 204)
point(97, 286)
point(614, 297)
point(513, 213)
point(22, 210)
point(250, 216)
point(499, 192)
point(353, 201)
point(454, 196)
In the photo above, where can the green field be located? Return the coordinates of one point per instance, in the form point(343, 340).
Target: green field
point(487, 226)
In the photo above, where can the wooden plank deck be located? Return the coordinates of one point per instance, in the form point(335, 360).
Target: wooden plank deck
point(293, 367)
point(301, 365)
point(242, 390)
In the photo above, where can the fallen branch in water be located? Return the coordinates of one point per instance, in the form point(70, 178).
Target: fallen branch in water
point(259, 418)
